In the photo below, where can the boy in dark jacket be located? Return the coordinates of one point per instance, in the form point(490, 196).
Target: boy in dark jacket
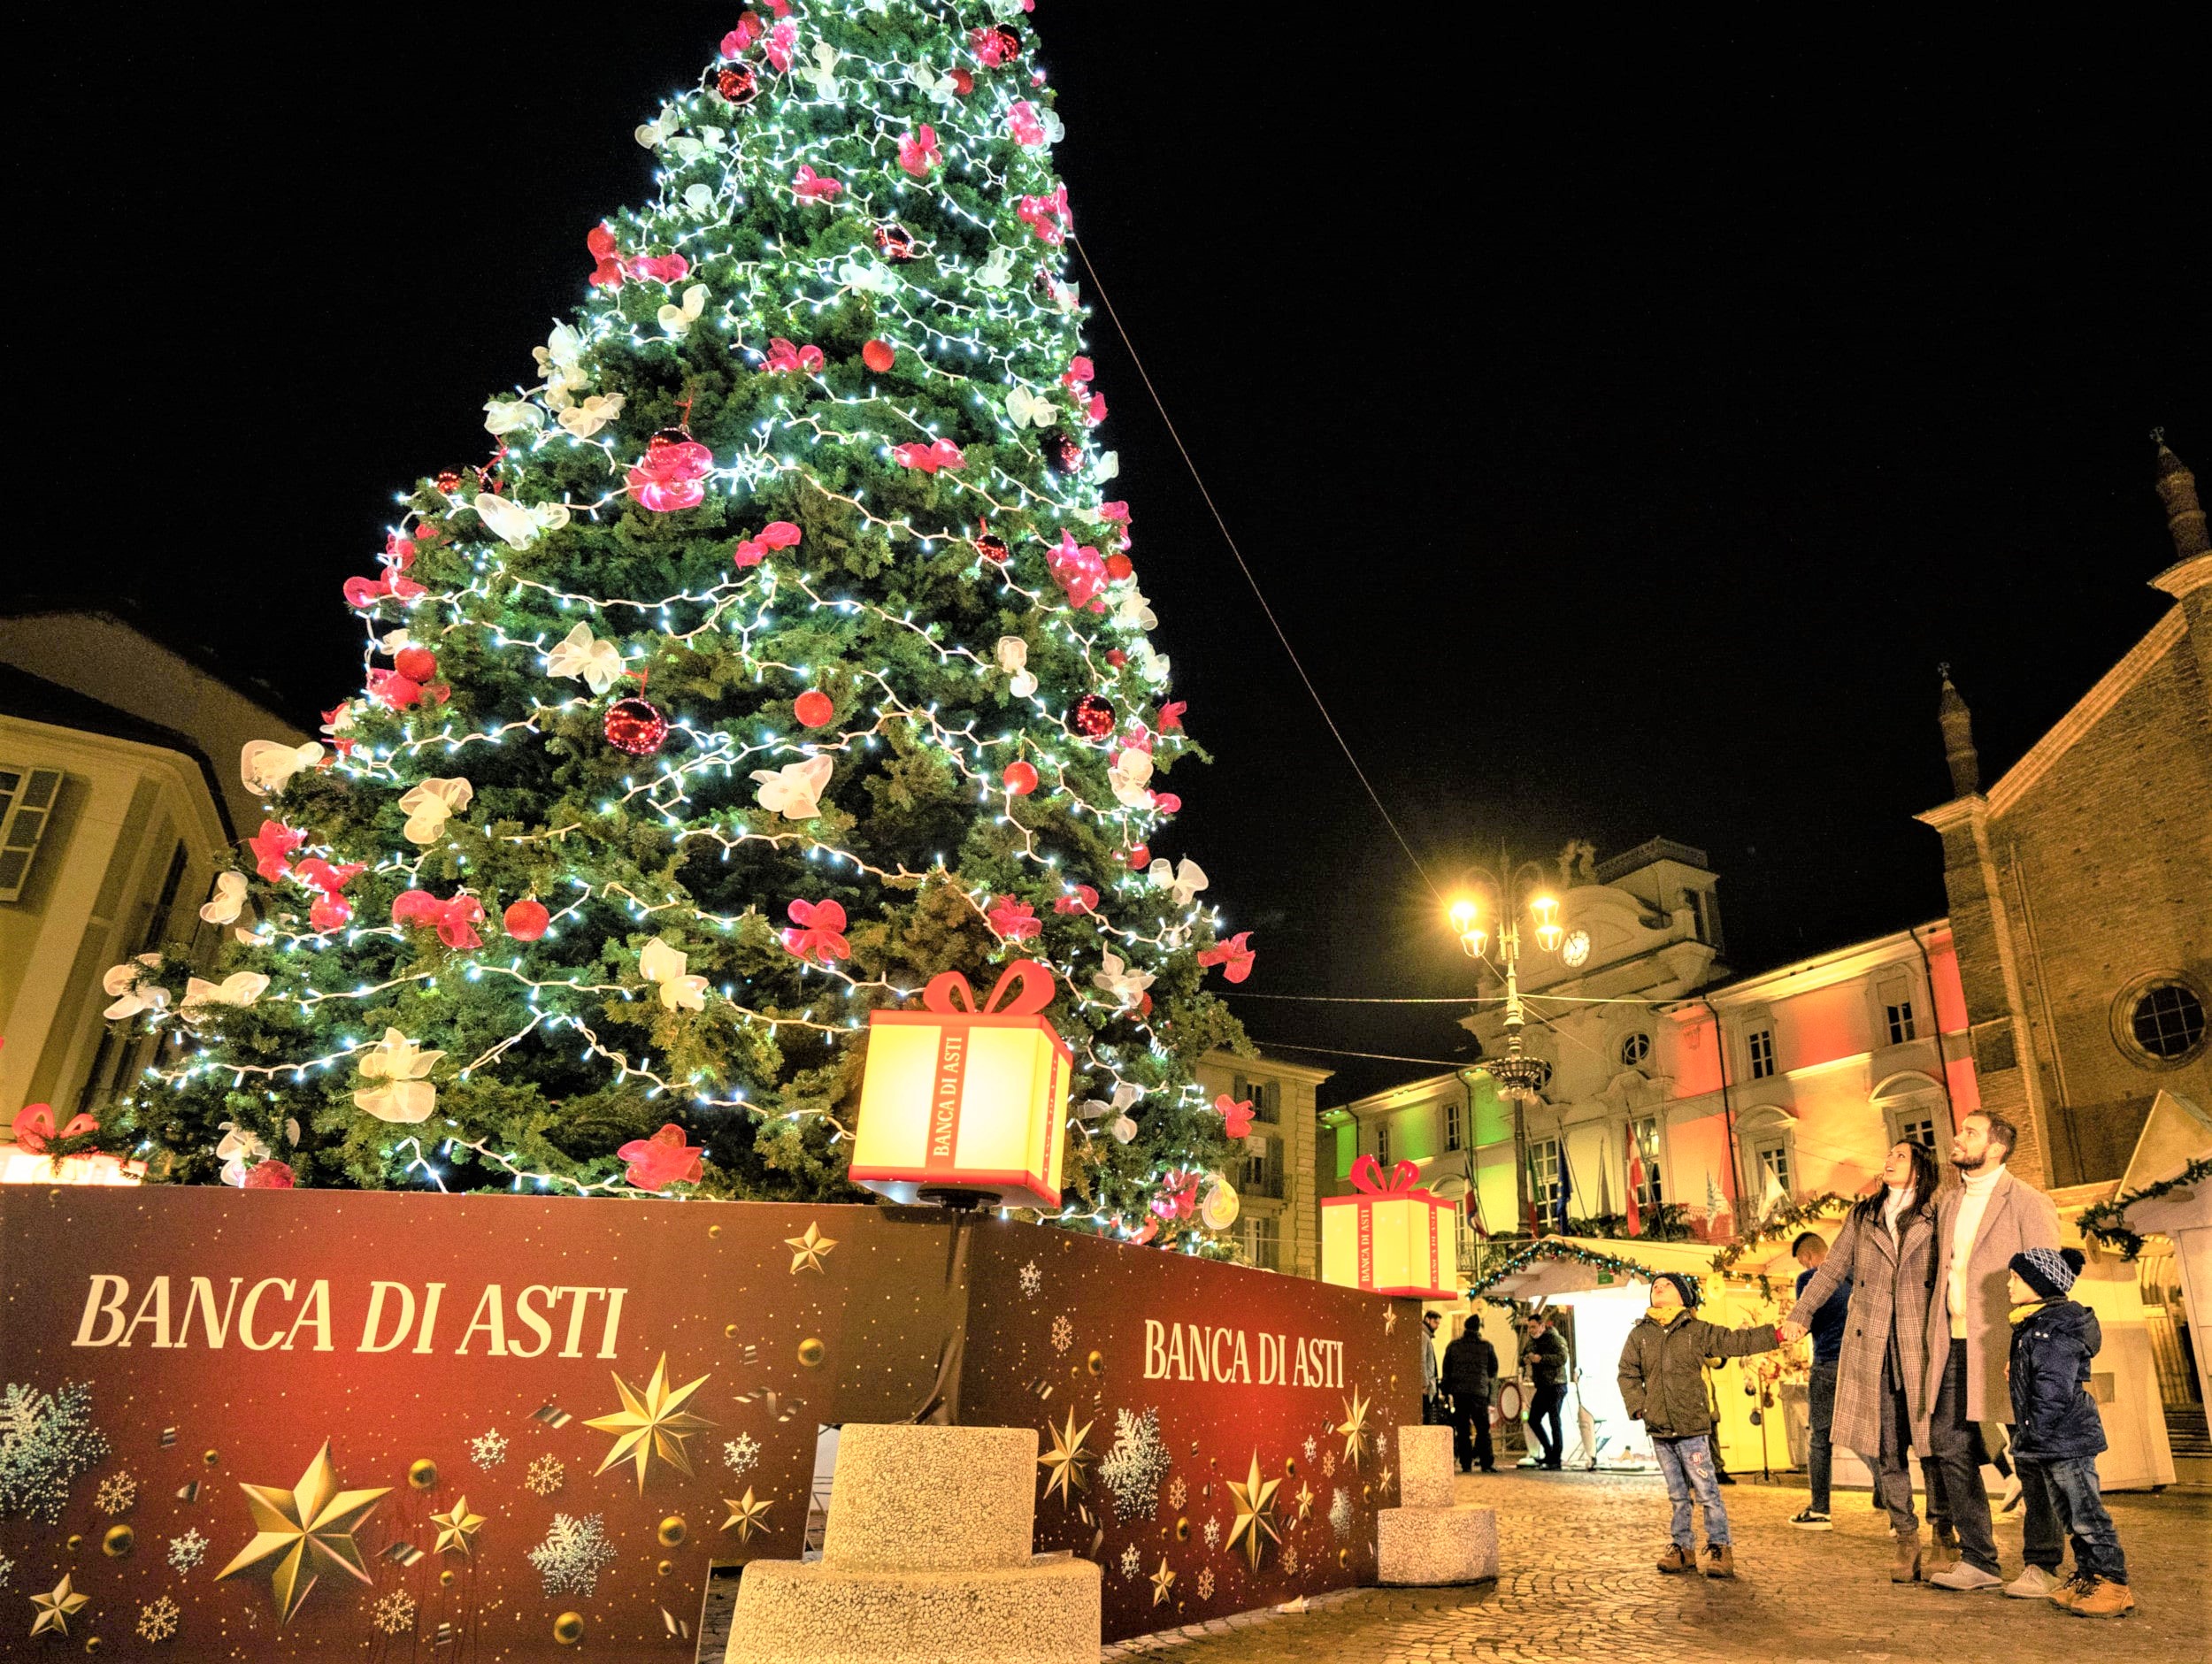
point(1663, 1385)
point(2056, 1430)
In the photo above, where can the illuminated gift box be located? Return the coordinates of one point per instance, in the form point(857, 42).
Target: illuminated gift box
point(958, 1102)
point(1389, 1237)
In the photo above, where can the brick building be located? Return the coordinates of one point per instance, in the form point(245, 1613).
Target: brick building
point(2080, 888)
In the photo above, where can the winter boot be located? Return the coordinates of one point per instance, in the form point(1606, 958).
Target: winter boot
point(1943, 1551)
point(1908, 1567)
point(1719, 1560)
point(2101, 1598)
point(2068, 1592)
point(1676, 1559)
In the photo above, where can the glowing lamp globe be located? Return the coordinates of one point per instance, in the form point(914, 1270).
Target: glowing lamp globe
point(966, 1106)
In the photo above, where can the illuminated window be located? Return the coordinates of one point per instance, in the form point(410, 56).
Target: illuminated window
point(1452, 1130)
point(27, 809)
point(1649, 1193)
point(1771, 1157)
point(1760, 1044)
point(1544, 1176)
point(1262, 1241)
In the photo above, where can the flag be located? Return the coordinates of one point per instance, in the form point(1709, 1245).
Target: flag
point(1566, 1188)
point(1635, 1184)
point(1770, 1195)
point(1716, 1205)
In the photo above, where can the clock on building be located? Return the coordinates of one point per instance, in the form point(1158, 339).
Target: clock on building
point(1577, 947)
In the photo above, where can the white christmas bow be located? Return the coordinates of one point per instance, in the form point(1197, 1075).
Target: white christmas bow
point(1106, 466)
point(238, 1147)
point(229, 900)
point(240, 988)
point(1129, 777)
point(430, 805)
point(823, 74)
point(1013, 658)
point(406, 1096)
point(1127, 985)
point(122, 985)
point(698, 197)
point(1124, 1129)
point(503, 416)
point(1135, 610)
point(265, 766)
point(1184, 882)
point(661, 964)
point(579, 653)
point(1030, 410)
point(1097, 1108)
point(941, 88)
point(654, 134)
point(794, 791)
point(583, 420)
point(1152, 665)
point(997, 271)
point(678, 320)
point(873, 277)
point(518, 526)
point(689, 149)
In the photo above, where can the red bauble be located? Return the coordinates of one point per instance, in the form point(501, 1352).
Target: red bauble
point(992, 547)
point(895, 241)
point(815, 708)
point(1093, 717)
point(268, 1176)
point(526, 920)
point(636, 726)
point(447, 481)
point(1062, 454)
point(416, 663)
point(1020, 779)
point(879, 356)
point(1141, 857)
point(1119, 567)
point(737, 84)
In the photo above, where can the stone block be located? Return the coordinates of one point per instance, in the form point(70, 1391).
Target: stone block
point(932, 1499)
point(1046, 1611)
point(1425, 1466)
point(1436, 1546)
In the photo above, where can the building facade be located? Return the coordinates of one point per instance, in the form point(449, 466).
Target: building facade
point(2080, 888)
point(1278, 1215)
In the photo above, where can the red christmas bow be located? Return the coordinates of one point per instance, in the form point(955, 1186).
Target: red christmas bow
point(34, 1126)
point(783, 357)
point(918, 150)
point(951, 992)
point(662, 268)
point(671, 475)
point(1234, 958)
point(273, 846)
point(1171, 715)
point(1014, 920)
point(1398, 1185)
point(820, 932)
point(454, 920)
point(1046, 216)
point(1021, 121)
point(783, 41)
point(1237, 1115)
point(929, 458)
point(663, 1160)
point(331, 910)
point(1084, 899)
point(608, 267)
point(775, 534)
point(1080, 572)
point(813, 187)
point(362, 594)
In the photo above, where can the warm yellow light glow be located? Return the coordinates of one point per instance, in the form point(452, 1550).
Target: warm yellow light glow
point(1544, 907)
point(1472, 940)
point(1463, 915)
point(1548, 936)
point(1405, 1246)
point(951, 1101)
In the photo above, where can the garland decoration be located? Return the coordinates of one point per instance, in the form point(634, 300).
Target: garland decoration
point(2106, 1222)
point(1786, 1221)
point(1557, 1248)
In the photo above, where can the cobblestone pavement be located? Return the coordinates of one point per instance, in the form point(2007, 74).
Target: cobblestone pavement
point(1577, 1583)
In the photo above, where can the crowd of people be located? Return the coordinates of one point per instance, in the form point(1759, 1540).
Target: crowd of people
point(1941, 1331)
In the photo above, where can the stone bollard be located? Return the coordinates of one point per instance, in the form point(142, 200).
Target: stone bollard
point(925, 1559)
point(1427, 1538)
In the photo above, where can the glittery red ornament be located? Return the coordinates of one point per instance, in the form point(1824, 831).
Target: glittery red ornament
point(635, 725)
point(1020, 779)
point(895, 241)
point(1117, 658)
point(1093, 716)
point(879, 356)
point(737, 84)
point(815, 708)
point(447, 481)
point(992, 547)
point(526, 920)
point(1062, 454)
point(268, 1176)
point(417, 663)
point(1119, 567)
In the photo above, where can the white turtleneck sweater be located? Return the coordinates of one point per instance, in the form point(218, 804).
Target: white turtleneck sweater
point(1893, 1207)
point(1972, 1205)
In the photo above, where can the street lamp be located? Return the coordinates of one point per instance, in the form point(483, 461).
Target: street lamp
point(1518, 1076)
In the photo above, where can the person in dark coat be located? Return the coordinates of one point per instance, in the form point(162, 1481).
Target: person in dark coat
point(2056, 1431)
point(1545, 1357)
point(1826, 1329)
point(1471, 1365)
point(1663, 1385)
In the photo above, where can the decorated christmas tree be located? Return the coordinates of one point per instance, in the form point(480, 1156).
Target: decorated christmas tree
point(785, 652)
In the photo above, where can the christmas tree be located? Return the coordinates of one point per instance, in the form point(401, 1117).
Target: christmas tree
point(785, 652)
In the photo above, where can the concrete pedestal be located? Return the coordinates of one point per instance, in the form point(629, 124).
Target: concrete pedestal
point(1430, 1540)
point(925, 1559)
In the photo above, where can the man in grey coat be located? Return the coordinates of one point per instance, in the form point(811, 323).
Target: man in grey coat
point(1979, 1227)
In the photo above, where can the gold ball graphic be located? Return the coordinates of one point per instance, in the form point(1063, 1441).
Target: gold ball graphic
point(672, 1531)
point(211, 1457)
point(92, 1644)
point(1344, 1557)
point(714, 1231)
point(665, 1568)
point(1182, 1530)
point(1290, 1467)
point(446, 1576)
point(568, 1629)
point(423, 1474)
point(1097, 1363)
point(729, 1331)
point(1366, 1493)
point(76, 1542)
point(811, 1352)
point(119, 1542)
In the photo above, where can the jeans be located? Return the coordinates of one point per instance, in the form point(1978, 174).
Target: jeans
point(1544, 1407)
point(1959, 1456)
point(1470, 1432)
point(2070, 1491)
point(1688, 1464)
point(1820, 1403)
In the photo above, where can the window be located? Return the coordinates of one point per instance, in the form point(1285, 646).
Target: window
point(1760, 1044)
point(1649, 1193)
point(1913, 1126)
point(1707, 919)
point(1544, 1178)
point(1452, 1117)
point(1897, 1011)
point(1262, 1241)
point(1254, 1174)
point(1634, 1048)
point(1771, 1160)
point(26, 808)
point(2160, 1021)
point(1382, 1142)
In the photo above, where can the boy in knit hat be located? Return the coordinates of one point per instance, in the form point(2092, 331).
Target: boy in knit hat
point(2056, 1429)
point(1662, 1383)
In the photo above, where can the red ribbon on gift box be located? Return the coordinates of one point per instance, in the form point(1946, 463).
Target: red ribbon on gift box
point(1399, 1184)
point(1024, 989)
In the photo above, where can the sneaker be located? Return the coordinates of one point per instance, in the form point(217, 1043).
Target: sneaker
point(1812, 1520)
point(1965, 1579)
point(2033, 1584)
point(1676, 1559)
point(2101, 1598)
point(2072, 1589)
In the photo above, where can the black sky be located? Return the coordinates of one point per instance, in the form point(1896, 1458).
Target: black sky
point(1622, 428)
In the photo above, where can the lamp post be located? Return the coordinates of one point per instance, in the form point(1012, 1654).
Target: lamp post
point(1518, 1076)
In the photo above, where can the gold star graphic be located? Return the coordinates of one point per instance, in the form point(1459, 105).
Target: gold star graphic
point(1255, 1526)
point(1390, 1318)
point(1354, 1427)
point(1161, 1581)
point(1305, 1501)
point(55, 1606)
point(746, 1515)
point(458, 1528)
point(307, 1531)
point(1065, 1460)
point(651, 1423)
point(1382, 1480)
point(808, 1251)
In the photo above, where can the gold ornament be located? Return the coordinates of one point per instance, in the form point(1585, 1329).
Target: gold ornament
point(76, 1541)
point(1305, 1501)
point(665, 1568)
point(729, 1331)
point(55, 1608)
point(1255, 1524)
point(811, 1352)
point(809, 1251)
point(1182, 1528)
point(446, 1576)
point(211, 1457)
point(1161, 1581)
point(651, 1423)
point(746, 1515)
point(672, 1531)
point(1290, 1467)
point(1064, 1462)
point(307, 1531)
point(568, 1629)
point(1354, 1427)
point(458, 1528)
point(119, 1542)
point(1096, 1362)
point(423, 1474)
point(1390, 1318)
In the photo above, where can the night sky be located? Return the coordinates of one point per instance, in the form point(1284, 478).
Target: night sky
point(1621, 428)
